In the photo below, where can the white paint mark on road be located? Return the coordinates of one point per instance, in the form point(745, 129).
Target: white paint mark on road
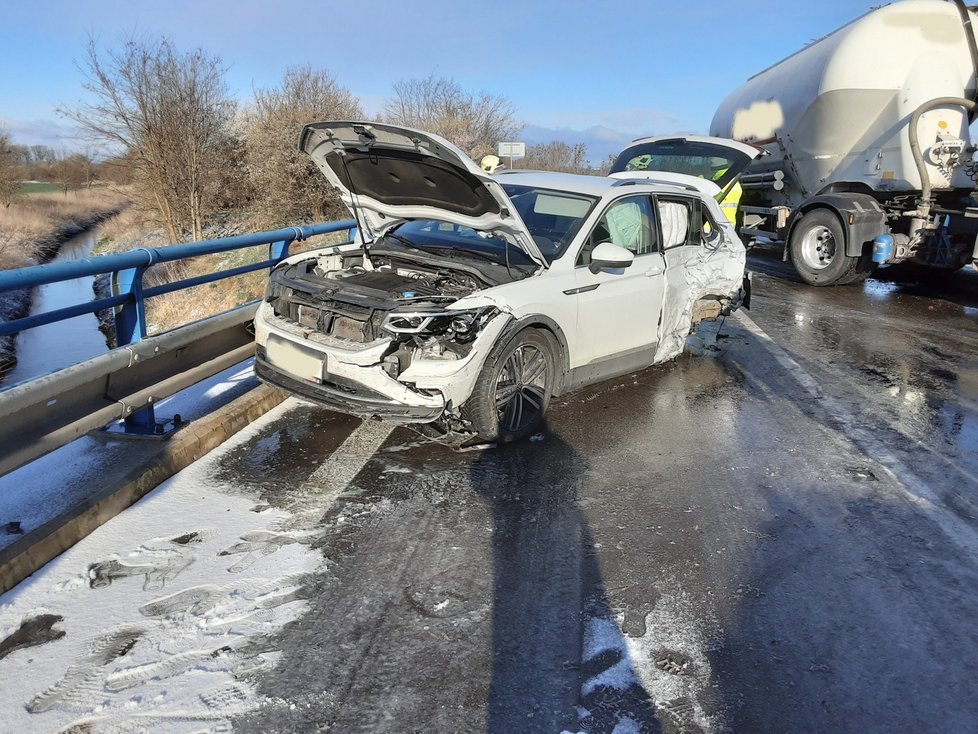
point(325, 485)
point(336, 473)
point(914, 488)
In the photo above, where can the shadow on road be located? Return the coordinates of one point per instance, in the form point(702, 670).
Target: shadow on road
point(855, 615)
point(854, 597)
point(559, 662)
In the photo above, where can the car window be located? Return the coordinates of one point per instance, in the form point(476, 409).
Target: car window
point(552, 217)
point(716, 163)
point(684, 222)
point(628, 223)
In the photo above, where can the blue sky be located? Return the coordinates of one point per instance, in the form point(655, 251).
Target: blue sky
point(599, 73)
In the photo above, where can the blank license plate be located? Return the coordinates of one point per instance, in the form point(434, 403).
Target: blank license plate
point(305, 363)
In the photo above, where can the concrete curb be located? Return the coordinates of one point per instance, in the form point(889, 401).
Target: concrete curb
point(22, 558)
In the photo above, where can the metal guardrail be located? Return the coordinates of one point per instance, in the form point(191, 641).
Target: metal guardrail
point(42, 414)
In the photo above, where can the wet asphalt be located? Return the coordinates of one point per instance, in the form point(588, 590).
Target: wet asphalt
point(760, 536)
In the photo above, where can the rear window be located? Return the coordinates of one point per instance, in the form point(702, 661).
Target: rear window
point(704, 160)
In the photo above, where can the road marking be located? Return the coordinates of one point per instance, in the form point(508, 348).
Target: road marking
point(913, 487)
point(313, 498)
point(343, 465)
point(324, 486)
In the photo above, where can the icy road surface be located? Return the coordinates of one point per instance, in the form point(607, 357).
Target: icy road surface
point(776, 532)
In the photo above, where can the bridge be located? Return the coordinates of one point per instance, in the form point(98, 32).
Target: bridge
point(776, 531)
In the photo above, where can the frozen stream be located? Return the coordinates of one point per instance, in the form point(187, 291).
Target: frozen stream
point(63, 343)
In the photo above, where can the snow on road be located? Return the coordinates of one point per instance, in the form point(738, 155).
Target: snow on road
point(41, 490)
point(146, 623)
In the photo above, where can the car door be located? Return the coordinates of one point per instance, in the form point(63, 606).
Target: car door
point(618, 309)
point(685, 226)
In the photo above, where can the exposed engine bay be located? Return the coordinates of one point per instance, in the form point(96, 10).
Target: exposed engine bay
point(366, 296)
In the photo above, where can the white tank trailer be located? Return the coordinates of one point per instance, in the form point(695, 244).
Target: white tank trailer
point(870, 157)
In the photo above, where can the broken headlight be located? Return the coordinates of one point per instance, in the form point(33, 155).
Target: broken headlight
point(463, 325)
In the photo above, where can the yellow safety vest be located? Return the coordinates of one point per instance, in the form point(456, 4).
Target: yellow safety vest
point(731, 201)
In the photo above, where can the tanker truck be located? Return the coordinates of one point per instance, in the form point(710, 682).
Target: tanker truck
point(858, 150)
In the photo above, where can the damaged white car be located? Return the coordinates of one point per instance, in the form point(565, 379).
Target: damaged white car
point(470, 300)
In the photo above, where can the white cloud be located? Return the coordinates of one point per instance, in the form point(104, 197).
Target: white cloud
point(53, 134)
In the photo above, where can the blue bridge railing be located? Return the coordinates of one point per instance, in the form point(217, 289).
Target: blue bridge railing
point(129, 293)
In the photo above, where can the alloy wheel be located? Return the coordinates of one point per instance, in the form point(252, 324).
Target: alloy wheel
point(521, 388)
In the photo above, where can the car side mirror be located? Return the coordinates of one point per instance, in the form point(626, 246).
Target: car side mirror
point(609, 255)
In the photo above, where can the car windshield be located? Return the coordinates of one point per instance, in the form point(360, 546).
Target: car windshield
point(552, 217)
point(433, 236)
point(715, 163)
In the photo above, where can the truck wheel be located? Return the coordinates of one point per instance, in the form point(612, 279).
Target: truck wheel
point(514, 387)
point(817, 250)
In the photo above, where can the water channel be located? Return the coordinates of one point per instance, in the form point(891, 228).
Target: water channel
point(63, 343)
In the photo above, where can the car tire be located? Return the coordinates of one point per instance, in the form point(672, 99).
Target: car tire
point(513, 390)
point(817, 250)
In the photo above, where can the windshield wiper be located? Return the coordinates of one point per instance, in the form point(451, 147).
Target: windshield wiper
point(449, 251)
point(405, 241)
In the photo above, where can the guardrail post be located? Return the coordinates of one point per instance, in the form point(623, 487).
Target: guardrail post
point(130, 327)
point(130, 317)
point(278, 251)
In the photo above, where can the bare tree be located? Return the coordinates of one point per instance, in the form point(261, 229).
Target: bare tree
point(41, 154)
point(72, 171)
point(170, 112)
point(556, 156)
point(474, 122)
point(89, 165)
point(10, 169)
point(605, 167)
point(287, 185)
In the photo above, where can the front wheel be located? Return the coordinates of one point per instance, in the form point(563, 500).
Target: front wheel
point(818, 251)
point(514, 387)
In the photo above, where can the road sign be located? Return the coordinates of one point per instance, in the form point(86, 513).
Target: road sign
point(512, 150)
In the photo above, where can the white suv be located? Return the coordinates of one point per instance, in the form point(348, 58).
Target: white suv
point(470, 300)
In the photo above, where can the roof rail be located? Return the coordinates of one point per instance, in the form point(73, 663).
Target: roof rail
point(656, 181)
point(520, 170)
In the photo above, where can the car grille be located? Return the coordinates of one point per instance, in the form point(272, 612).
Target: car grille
point(341, 320)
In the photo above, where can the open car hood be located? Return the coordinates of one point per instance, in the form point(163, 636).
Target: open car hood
point(709, 164)
point(386, 174)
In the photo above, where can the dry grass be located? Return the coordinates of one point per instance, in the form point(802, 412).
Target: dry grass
point(28, 227)
point(175, 309)
point(134, 228)
point(181, 307)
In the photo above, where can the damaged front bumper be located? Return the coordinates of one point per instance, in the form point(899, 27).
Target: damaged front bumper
point(358, 401)
point(350, 378)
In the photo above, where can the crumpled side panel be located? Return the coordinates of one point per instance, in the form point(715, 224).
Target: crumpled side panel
point(707, 272)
